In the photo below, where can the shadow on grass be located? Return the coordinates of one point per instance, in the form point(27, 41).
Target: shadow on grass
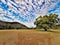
point(54, 31)
point(49, 30)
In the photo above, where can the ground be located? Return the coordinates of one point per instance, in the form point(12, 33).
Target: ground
point(29, 37)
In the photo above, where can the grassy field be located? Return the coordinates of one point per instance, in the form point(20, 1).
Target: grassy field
point(29, 37)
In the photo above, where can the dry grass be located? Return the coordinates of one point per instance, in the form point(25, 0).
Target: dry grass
point(29, 37)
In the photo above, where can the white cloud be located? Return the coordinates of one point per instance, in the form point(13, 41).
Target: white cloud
point(41, 7)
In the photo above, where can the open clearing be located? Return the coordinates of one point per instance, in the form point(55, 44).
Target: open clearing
point(29, 37)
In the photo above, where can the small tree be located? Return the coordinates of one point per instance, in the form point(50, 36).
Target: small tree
point(46, 21)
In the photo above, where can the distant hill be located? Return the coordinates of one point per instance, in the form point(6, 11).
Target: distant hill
point(11, 25)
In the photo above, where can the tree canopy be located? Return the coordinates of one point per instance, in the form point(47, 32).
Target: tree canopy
point(46, 21)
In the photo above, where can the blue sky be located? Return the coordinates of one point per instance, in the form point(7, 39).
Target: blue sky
point(27, 11)
point(56, 9)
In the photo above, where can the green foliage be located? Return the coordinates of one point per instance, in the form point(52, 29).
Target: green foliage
point(46, 21)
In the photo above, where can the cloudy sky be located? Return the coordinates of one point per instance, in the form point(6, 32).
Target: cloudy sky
point(26, 11)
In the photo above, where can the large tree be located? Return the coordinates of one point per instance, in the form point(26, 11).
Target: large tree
point(46, 21)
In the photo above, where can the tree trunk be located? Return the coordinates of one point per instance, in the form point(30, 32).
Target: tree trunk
point(45, 29)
